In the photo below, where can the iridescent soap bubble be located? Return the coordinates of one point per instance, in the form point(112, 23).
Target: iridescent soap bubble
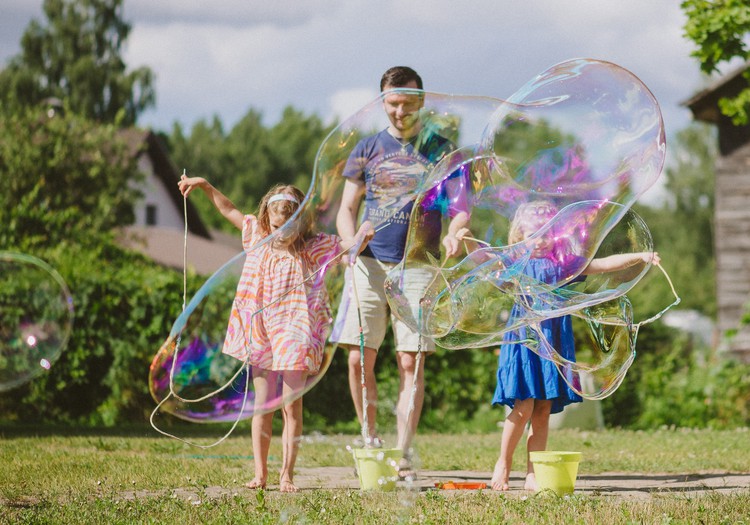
point(586, 136)
point(201, 384)
point(584, 130)
point(36, 316)
point(190, 376)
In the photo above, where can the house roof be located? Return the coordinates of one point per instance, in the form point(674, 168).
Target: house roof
point(207, 250)
point(142, 141)
point(705, 104)
point(167, 246)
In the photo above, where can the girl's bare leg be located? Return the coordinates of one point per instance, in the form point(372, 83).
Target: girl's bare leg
point(294, 382)
point(513, 429)
point(537, 438)
point(263, 382)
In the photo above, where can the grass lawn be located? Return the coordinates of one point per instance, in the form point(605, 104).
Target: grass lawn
point(130, 476)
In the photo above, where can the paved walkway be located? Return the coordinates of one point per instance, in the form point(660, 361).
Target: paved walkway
point(630, 485)
point(617, 484)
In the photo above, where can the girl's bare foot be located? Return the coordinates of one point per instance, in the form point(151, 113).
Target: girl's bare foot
point(530, 483)
point(286, 485)
point(256, 483)
point(500, 477)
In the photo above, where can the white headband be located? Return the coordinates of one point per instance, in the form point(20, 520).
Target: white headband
point(282, 197)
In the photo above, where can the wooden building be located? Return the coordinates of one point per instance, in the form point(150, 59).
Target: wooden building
point(732, 213)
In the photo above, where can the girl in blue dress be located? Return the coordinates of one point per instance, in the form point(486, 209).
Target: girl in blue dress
point(529, 384)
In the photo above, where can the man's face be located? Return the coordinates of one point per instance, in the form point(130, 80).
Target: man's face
point(402, 108)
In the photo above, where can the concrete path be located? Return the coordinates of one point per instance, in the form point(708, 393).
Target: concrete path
point(625, 485)
point(616, 484)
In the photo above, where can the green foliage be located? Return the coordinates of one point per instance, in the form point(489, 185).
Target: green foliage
point(459, 385)
point(249, 159)
point(63, 178)
point(682, 228)
point(719, 29)
point(624, 407)
point(66, 183)
point(76, 57)
point(690, 389)
point(673, 382)
point(124, 306)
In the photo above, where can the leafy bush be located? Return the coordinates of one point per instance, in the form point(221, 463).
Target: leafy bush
point(64, 179)
point(124, 306)
point(675, 383)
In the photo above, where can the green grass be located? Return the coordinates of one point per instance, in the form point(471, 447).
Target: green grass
point(53, 476)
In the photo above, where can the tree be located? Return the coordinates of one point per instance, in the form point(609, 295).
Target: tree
point(720, 28)
point(76, 57)
point(63, 178)
point(683, 227)
point(249, 159)
point(65, 186)
point(294, 143)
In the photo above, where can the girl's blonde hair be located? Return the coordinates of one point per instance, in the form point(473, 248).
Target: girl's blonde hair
point(286, 208)
point(529, 217)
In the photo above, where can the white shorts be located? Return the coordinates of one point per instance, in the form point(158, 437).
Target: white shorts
point(370, 275)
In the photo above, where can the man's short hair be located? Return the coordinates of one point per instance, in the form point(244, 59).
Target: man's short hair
point(400, 76)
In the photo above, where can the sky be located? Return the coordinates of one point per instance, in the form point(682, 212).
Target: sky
point(225, 57)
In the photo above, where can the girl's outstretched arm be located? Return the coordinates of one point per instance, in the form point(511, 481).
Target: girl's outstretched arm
point(451, 242)
point(218, 199)
point(620, 261)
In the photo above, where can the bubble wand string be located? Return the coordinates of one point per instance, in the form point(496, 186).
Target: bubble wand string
point(365, 404)
point(246, 366)
point(675, 303)
point(172, 393)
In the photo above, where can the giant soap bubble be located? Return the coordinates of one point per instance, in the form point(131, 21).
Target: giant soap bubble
point(36, 316)
point(189, 376)
point(585, 135)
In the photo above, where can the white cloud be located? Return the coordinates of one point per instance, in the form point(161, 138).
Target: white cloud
point(230, 13)
point(227, 56)
point(346, 102)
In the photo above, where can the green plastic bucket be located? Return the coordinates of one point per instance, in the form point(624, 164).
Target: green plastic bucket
point(556, 470)
point(376, 467)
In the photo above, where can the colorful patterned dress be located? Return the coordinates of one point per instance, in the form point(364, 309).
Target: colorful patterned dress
point(278, 323)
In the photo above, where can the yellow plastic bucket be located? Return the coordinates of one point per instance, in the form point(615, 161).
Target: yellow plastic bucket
point(376, 467)
point(556, 470)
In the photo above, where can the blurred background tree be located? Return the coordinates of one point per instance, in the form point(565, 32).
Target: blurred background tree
point(75, 56)
point(250, 158)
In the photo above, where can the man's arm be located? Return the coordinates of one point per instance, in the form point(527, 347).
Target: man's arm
point(346, 218)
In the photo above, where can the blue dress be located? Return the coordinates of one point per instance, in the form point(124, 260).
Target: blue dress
point(523, 374)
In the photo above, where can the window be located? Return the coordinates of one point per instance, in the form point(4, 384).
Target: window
point(150, 214)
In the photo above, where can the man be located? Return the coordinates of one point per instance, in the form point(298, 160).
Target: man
point(381, 169)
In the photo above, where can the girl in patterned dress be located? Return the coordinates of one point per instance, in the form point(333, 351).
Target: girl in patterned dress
point(526, 382)
point(280, 316)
